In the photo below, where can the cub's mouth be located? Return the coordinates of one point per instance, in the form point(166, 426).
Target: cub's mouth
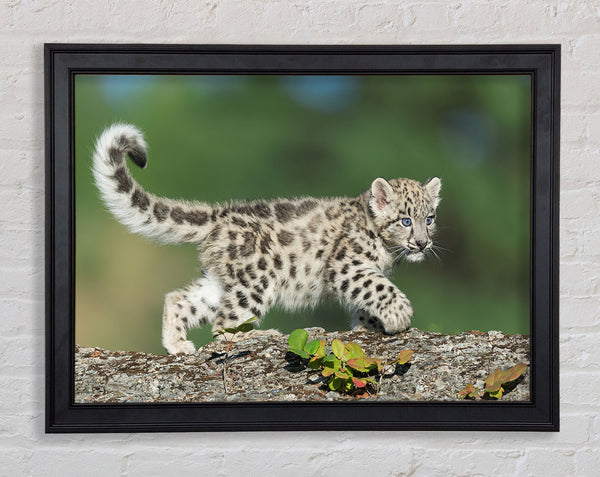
point(415, 255)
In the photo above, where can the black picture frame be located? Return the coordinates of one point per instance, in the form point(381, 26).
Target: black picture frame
point(63, 61)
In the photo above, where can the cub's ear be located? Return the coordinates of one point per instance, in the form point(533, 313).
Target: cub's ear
point(433, 185)
point(381, 195)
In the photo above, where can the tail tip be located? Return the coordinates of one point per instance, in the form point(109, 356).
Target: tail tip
point(138, 156)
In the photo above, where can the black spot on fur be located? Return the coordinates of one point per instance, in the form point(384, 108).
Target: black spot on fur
point(370, 256)
point(196, 217)
point(332, 275)
point(307, 269)
point(193, 310)
point(256, 298)
point(357, 277)
point(242, 279)
point(250, 271)
point(277, 262)
point(230, 270)
point(344, 269)
point(242, 300)
point(341, 254)
point(264, 282)
point(285, 238)
point(261, 209)
point(262, 263)
point(305, 206)
point(305, 245)
point(115, 155)
point(293, 271)
point(161, 211)
point(189, 236)
point(367, 283)
point(284, 211)
point(319, 253)
point(355, 292)
point(177, 214)
point(357, 249)
point(232, 251)
point(367, 295)
point(238, 221)
point(345, 285)
point(255, 311)
point(140, 200)
point(178, 328)
point(249, 244)
point(232, 235)
point(124, 182)
point(265, 243)
point(379, 287)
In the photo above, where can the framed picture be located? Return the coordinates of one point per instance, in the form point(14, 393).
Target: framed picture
point(342, 155)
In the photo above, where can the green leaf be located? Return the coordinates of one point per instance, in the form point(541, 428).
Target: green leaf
point(331, 361)
point(353, 351)
point(403, 357)
point(343, 374)
point(315, 363)
point(359, 364)
point(335, 383)
point(337, 347)
point(313, 346)
point(299, 352)
point(496, 394)
point(244, 328)
point(298, 339)
point(327, 372)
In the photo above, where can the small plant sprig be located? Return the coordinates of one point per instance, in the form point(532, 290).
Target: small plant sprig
point(494, 383)
point(347, 366)
point(228, 335)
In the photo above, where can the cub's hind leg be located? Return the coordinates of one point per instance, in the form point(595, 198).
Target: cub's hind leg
point(187, 308)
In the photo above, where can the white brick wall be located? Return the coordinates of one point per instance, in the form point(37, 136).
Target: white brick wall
point(25, 25)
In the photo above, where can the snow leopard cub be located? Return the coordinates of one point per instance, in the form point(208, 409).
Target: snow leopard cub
point(291, 252)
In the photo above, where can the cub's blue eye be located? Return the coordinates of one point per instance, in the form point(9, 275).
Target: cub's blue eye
point(406, 222)
point(429, 220)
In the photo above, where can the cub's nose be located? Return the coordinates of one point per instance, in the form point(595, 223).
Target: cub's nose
point(421, 244)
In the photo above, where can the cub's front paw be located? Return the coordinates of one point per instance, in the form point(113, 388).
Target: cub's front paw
point(180, 347)
point(400, 321)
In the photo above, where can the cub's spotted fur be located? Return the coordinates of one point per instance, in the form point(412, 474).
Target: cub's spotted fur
point(291, 252)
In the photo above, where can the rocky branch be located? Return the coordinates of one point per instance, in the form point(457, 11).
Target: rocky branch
point(260, 369)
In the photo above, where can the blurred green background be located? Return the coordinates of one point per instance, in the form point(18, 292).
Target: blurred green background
point(215, 138)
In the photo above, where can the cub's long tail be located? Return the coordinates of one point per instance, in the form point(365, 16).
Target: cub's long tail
point(166, 220)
